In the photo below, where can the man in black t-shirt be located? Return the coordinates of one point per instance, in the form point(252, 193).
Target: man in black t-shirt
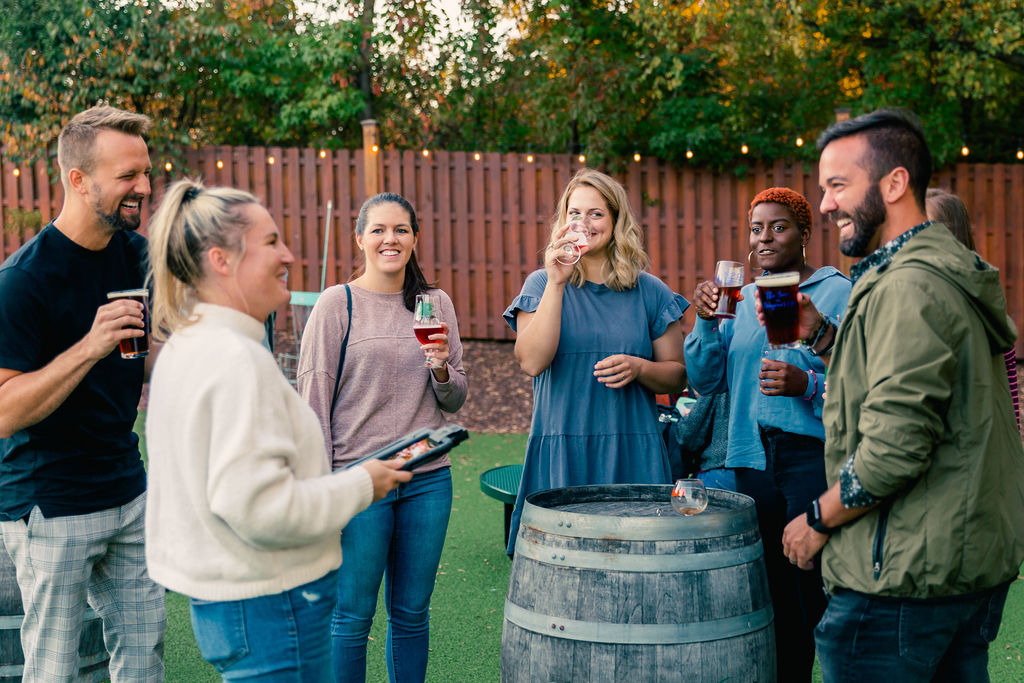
point(72, 483)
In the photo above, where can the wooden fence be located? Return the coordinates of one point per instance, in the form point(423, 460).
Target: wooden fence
point(484, 221)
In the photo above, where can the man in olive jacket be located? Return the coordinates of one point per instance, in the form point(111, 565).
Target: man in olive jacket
point(922, 529)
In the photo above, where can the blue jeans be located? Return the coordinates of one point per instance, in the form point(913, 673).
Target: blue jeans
point(400, 537)
point(794, 475)
point(862, 638)
point(281, 637)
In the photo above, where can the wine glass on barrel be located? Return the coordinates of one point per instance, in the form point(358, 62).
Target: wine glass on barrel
point(572, 251)
point(425, 322)
point(689, 497)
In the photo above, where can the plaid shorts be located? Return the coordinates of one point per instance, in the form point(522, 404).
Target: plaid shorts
point(65, 564)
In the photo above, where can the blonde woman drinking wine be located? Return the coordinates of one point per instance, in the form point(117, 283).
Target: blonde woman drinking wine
point(600, 337)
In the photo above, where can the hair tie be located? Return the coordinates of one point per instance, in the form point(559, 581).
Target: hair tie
point(191, 193)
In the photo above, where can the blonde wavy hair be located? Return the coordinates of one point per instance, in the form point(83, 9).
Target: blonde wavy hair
point(191, 220)
point(626, 255)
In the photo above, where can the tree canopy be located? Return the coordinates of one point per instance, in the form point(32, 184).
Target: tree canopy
point(608, 78)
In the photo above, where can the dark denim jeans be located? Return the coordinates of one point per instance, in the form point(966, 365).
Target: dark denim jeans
point(863, 638)
point(794, 475)
point(281, 638)
point(399, 537)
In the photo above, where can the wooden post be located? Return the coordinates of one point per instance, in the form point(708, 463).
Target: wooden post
point(372, 167)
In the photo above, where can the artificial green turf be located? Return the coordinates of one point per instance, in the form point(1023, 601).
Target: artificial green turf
point(469, 597)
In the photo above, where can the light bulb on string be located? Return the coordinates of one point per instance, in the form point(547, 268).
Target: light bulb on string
point(965, 150)
point(744, 149)
point(799, 142)
point(271, 160)
point(582, 158)
point(689, 154)
point(529, 158)
point(220, 163)
point(426, 153)
point(476, 156)
point(17, 172)
point(323, 154)
point(168, 166)
point(374, 149)
point(636, 157)
point(1020, 154)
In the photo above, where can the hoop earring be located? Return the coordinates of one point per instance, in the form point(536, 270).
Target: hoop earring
point(749, 262)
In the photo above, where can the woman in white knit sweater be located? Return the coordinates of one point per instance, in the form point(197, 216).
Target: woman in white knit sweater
point(243, 512)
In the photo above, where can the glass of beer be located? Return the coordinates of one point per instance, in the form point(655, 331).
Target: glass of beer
point(135, 347)
point(426, 322)
point(778, 294)
point(689, 497)
point(729, 278)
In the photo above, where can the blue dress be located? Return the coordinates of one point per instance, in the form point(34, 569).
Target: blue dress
point(582, 431)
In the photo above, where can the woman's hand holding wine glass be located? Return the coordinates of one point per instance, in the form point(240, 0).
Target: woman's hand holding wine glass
point(431, 333)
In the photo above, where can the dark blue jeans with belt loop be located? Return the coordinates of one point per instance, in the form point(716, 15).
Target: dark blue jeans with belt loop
point(794, 475)
point(867, 638)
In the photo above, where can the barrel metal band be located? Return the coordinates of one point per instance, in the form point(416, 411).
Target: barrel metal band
point(663, 562)
point(639, 634)
point(673, 528)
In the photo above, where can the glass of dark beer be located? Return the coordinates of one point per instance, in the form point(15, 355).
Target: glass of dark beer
point(135, 347)
point(778, 294)
point(729, 279)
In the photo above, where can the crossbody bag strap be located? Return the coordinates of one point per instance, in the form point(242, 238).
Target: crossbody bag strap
point(341, 356)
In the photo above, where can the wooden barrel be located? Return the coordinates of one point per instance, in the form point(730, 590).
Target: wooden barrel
point(92, 654)
point(609, 583)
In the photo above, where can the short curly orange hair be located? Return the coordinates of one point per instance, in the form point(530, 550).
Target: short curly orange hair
point(791, 199)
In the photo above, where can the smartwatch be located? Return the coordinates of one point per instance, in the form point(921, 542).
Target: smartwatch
point(814, 519)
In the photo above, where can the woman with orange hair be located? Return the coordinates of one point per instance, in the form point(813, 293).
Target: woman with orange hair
point(776, 438)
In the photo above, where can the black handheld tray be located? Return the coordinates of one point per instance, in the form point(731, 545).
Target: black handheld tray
point(440, 441)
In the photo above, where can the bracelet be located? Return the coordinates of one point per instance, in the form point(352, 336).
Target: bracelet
point(815, 392)
point(828, 349)
point(822, 326)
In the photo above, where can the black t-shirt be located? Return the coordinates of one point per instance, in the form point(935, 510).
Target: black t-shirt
point(83, 457)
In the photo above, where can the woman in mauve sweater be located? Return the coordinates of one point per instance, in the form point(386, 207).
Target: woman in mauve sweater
point(385, 390)
point(243, 513)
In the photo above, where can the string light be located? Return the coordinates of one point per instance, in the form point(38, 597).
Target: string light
point(799, 142)
point(271, 160)
point(1020, 154)
point(965, 150)
point(636, 157)
point(744, 149)
point(374, 149)
point(168, 166)
point(220, 164)
point(426, 153)
point(323, 154)
point(582, 158)
point(476, 156)
point(689, 154)
point(17, 172)
point(529, 158)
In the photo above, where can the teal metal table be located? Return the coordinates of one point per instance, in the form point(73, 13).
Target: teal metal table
point(502, 483)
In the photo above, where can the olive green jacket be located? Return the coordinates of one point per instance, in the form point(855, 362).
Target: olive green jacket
point(917, 388)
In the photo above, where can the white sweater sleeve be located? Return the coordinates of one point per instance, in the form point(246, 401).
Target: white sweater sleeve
point(258, 482)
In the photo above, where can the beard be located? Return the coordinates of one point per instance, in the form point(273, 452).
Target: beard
point(114, 219)
point(867, 218)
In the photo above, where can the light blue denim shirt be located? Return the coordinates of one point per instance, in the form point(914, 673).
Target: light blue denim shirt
point(727, 354)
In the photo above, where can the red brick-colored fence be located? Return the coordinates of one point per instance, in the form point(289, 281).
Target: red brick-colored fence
point(484, 221)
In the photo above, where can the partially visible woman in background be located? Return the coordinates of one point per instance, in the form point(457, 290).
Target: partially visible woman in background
point(776, 437)
point(243, 514)
point(948, 208)
point(385, 390)
point(600, 338)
